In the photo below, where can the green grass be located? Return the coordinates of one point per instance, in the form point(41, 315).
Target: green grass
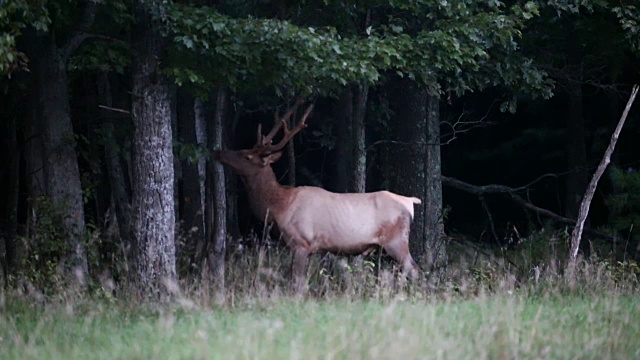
point(498, 327)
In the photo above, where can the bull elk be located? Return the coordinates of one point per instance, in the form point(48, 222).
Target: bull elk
point(314, 220)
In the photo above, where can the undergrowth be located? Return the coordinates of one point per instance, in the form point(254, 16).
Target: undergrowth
point(486, 304)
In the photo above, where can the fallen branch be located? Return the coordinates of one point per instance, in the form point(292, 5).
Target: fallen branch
point(576, 236)
point(502, 189)
point(114, 109)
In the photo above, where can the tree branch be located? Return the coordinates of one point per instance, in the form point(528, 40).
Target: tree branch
point(502, 189)
point(80, 34)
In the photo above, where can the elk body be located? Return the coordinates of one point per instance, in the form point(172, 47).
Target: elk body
point(314, 220)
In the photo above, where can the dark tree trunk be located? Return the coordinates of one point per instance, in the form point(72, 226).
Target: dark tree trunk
point(153, 260)
point(9, 178)
point(191, 212)
point(117, 177)
point(217, 196)
point(233, 228)
point(220, 216)
point(409, 156)
point(61, 172)
point(51, 161)
point(34, 164)
point(577, 177)
point(344, 140)
point(359, 174)
point(434, 236)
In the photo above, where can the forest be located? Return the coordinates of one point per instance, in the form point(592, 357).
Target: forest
point(117, 116)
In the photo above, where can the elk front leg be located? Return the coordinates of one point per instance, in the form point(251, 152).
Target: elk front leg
point(298, 269)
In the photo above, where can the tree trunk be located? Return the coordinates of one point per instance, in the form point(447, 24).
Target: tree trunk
point(9, 177)
point(117, 177)
point(153, 259)
point(577, 177)
point(576, 235)
point(344, 140)
point(434, 236)
point(359, 159)
point(410, 155)
point(204, 174)
point(231, 183)
point(61, 172)
point(191, 213)
point(201, 140)
point(34, 174)
point(217, 198)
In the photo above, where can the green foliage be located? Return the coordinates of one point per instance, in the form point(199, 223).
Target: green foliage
point(623, 272)
point(464, 46)
point(625, 204)
point(108, 56)
point(629, 19)
point(47, 248)
point(457, 46)
point(189, 151)
point(15, 15)
point(251, 53)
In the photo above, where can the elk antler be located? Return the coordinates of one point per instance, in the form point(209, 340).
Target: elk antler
point(264, 145)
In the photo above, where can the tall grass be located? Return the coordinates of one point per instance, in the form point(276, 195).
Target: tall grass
point(501, 327)
point(489, 307)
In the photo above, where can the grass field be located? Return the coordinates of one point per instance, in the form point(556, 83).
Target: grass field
point(496, 327)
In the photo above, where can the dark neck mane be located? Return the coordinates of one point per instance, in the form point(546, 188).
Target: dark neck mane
point(266, 195)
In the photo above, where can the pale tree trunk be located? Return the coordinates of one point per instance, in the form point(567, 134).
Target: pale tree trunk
point(206, 201)
point(217, 197)
point(117, 177)
point(434, 236)
point(359, 159)
point(410, 153)
point(576, 235)
point(201, 140)
point(153, 271)
point(177, 164)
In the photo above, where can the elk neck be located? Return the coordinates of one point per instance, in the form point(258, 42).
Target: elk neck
point(266, 195)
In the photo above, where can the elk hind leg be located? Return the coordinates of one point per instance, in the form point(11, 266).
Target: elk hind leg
point(298, 269)
point(398, 249)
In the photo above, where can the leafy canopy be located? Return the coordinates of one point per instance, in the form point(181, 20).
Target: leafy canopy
point(459, 45)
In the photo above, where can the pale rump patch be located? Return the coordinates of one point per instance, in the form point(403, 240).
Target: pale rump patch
point(407, 202)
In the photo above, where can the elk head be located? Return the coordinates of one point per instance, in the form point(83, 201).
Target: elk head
point(248, 162)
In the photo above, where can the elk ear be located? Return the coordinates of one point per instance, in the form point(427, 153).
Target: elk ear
point(270, 159)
